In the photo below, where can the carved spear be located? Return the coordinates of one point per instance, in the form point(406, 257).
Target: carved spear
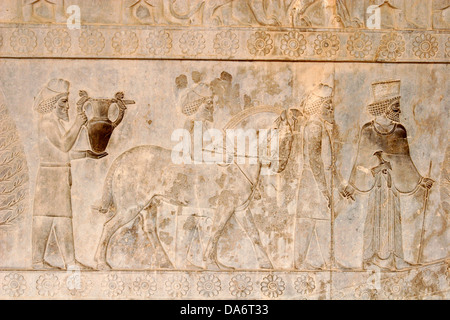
point(333, 264)
point(425, 205)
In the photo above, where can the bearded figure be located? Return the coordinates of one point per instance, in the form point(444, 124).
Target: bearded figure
point(52, 198)
point(198, 105)
point(314, 197)
point(384, 170)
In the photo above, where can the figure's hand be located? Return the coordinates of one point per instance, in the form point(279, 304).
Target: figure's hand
point(118, 99)
point(427, 183)
point(332, 167)
point(81, 119)
point(120, 104)
point(348, 192)
point(382, 167)
point(83, 94)
point(119, 95)
point(327, 196)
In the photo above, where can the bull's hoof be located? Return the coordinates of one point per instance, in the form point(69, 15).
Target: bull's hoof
point(103, 266)
point(166, 265)
point(266, 265)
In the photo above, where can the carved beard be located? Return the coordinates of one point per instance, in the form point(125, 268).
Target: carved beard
point(62, 114)
point(393, 112)
point(393, 115)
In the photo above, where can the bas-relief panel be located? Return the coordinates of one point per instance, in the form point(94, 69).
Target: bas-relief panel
point(286, 227)
point(118, 178)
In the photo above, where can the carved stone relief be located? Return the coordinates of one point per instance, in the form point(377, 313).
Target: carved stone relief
point(394, 14)
point(282, 152)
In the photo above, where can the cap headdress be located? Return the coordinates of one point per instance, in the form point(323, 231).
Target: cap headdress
point(384, 93)
point(47, 98)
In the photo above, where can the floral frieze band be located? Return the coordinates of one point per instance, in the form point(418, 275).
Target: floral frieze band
point(224, 43)
point(431, 282)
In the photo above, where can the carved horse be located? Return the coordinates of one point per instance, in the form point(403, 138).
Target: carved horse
point(142, 177)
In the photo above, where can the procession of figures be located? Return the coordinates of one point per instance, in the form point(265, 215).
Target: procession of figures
point(144, 180)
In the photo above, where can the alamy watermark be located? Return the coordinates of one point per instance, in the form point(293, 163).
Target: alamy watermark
point(374, 17)
point(214, 146)
point(73, 281)
point(74, 19)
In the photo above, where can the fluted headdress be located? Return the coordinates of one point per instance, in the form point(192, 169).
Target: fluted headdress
point(384, 94)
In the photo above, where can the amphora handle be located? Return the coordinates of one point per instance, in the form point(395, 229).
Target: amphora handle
point(84, 97)
point(122, 104)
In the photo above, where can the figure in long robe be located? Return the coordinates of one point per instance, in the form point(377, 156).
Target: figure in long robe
point(384, 169)
point(52, 209)
point(314, 196)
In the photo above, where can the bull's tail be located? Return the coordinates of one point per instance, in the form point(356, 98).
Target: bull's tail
point(107, 201)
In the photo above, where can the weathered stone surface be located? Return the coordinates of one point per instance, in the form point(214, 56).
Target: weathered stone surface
point(346, 197)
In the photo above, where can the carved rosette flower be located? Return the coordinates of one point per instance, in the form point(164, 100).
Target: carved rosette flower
point(125, 42)
point(366, 292)
point(113, 285)
point(144, 286)
point(392, 46)
point(159, 42)
point(241, 286)
point(359, 45)
point(293, 44)
point(192, 43)
point(57, 41)
point(425, 282)
point(425, 46)
point(305, 284)
point(209, 286)
point(260, 43)
point(272, 286)
point(326, 44)
point(226, 43)
point(92, 42)
point(177, 286)
point(23, 41)
point(14, 285)
point(395, 288)
point(47, 285)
